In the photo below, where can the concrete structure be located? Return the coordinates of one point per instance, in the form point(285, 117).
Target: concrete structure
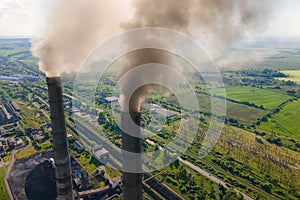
point(1, 147)
point(7, 114)
point(11, 142)
point(101, 154)
point(131, 140)
point(79, 146)
point(60, 143)
point(110, 100)
point(2, 130)
point(2, 116)
point(159, 110)
point(15, 106)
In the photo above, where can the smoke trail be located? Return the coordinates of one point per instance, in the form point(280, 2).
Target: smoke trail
point(77, 26)
point(223, 21)
point(72, 31)
point(141, 57)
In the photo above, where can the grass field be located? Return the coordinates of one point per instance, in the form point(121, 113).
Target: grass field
point(246, 137)
point(25, 153)
point(3, 192)
point(286, 122)
point(7, 158)
point(260, 97)
point(294, 75)
point(243, 113)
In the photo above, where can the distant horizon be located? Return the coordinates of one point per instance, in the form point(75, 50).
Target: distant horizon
point(15, 37)
point(256, 38)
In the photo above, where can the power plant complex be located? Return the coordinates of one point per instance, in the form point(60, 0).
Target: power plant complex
point(131, 140)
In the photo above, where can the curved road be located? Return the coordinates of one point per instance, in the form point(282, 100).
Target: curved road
point(11, 164)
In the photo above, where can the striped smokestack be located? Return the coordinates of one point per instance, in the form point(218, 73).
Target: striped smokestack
point(131, 140)
point(60, 142)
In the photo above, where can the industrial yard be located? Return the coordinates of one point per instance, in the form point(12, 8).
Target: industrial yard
point(202, 103)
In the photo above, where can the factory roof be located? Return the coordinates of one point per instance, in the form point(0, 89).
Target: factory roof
point(15, 106)
point(101, 153)
point(159, 110)
point(78, 145)
point(112, 99)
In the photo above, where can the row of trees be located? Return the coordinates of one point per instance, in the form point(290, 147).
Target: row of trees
point(251, 160)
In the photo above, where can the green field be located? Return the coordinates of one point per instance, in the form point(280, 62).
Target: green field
point(244, 114)
point(293, 75)
point(260, 97)
point(3, 192)
point(25, 153)
point(286, 122)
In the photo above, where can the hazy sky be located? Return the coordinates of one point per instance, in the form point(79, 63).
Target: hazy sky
point(26, 17)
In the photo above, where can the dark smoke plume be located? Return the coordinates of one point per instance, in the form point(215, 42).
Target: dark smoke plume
point(223, 21)
point(77, 26)
point(74, 28)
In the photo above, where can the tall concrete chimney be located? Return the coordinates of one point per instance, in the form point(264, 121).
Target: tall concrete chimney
point(132, 182)
point(60, 142)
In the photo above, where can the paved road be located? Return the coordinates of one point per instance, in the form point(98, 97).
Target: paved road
point(214, 179)
point(11, 163)
point(206, 174)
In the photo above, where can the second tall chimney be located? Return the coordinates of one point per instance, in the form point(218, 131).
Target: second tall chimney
point(131, 140)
